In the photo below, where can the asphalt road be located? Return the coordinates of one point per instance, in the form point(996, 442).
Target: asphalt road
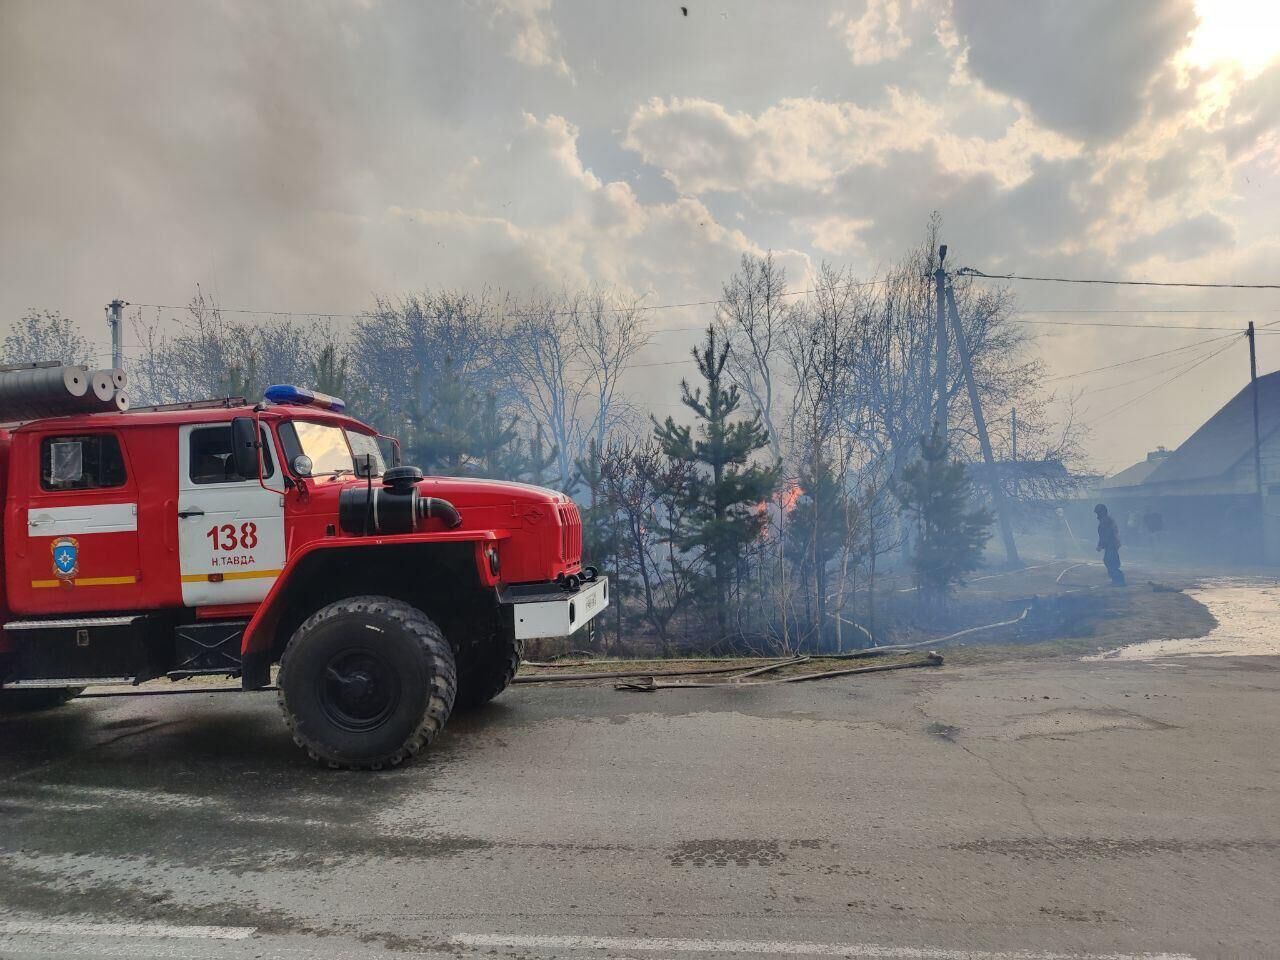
point(1030, 811)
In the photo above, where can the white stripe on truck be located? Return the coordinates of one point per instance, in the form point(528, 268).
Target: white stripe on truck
point(82, 519)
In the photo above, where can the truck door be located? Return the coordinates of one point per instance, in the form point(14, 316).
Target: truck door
point(74, 542)
point(230, 529)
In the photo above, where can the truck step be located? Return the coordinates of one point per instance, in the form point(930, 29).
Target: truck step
point(65, 624)
point(71, 682)
point(208, 672)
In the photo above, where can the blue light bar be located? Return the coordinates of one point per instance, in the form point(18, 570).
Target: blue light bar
point(301, 396)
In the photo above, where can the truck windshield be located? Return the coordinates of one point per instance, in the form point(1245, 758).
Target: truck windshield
point(331, 449)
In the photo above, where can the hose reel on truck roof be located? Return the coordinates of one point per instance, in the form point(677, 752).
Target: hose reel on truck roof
point(32, 391)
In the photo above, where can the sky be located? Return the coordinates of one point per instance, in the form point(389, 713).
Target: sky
point(309, 157)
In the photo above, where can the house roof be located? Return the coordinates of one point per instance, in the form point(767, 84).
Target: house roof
point(1226, 438)
point(1134, 475)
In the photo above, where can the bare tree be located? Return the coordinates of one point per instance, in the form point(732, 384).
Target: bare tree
point(646, 489)
point(212, 355)
point(821, 345)
point(44, 335)
point(565, 356)
point(402, 349)
point(754, 314)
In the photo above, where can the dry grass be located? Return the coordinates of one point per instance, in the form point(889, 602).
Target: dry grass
point(1147, 609)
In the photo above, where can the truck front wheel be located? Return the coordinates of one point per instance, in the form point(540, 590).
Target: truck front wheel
point(366, 683)
point(37, 698)
point(487, 668)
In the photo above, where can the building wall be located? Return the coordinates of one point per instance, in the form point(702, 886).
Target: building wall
point(1217, 528)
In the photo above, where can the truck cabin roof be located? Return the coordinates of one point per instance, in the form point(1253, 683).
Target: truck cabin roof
point(178, 417)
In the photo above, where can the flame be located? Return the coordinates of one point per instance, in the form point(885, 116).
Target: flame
point(786, 500)
point(789, 496)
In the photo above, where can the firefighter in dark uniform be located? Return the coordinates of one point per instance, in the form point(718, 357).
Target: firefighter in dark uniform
point(1109, 544)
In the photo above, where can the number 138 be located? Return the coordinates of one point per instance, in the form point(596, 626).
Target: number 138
point(227, 537)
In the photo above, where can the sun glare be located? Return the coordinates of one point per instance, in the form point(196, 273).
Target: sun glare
point(1246, 32)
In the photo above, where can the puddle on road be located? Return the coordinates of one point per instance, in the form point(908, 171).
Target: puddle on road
point(1246, 611)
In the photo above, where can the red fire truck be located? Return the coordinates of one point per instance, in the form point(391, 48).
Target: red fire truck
point(219, 538)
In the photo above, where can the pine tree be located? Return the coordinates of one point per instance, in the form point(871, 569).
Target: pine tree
point(723, 509)
point(329, 371)
point(598, 517)
point(541, 457)
point(597, 525)
point(950, 533)
point(329, 375)
point(817, 527)
point(442, 429)
point(244, 381)
point(496, 445)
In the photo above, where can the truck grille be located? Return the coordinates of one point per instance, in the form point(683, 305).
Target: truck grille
point(570, 534)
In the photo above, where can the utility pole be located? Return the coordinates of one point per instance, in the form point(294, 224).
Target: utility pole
point(1257, 430)
point(1013, 424)
point(993, 480)
point(941, 374)
point(115, 318)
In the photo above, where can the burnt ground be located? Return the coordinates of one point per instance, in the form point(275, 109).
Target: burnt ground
point(1070, 609)
point(1040, 807)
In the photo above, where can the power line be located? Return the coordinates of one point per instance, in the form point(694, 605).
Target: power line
point(262, 313)
point(1149, 356)
point(1155, 373)
point(1142, 396)
point(1146, 310)
point(1130, 326)
point(1234, 331)
point(657, 363)
point(518, 314)
point(672, 306)
point(974, 272)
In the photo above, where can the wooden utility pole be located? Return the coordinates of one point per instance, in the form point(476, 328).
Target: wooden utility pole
point(941, 375)
point(1257, 429)
point(984, 440)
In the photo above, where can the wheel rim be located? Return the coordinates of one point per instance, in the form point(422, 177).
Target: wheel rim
point(358, 690)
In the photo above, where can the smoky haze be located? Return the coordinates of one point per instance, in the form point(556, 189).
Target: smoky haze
point(313, 158)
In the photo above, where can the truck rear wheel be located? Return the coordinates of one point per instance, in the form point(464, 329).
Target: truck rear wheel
point(37, 698)
point(487, 669)
point(366, 683)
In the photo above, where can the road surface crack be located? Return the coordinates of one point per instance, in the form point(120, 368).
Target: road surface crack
point(952, 736)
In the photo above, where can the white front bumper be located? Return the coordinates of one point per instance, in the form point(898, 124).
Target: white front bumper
point(561, 616)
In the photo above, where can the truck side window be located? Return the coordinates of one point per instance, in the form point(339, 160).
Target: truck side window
point(210, 457)
point(85, 462)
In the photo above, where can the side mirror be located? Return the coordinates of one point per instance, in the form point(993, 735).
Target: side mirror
point(244, 447)
point(364, 465)
point(391, 446)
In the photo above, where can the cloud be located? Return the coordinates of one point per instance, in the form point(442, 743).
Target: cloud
point(838, 235)
point(703, 147)
point(1250, 123)
point(1188, 239)
point(875, 36)
point(541, 219)
point(312, 158)
point(535, 41)
point(1086, 69)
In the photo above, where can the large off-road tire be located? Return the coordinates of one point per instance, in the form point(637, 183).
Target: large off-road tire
point(366, 683)
point(487, 668)
point(36, 698)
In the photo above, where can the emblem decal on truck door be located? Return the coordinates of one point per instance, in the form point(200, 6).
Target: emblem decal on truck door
point(66, 557)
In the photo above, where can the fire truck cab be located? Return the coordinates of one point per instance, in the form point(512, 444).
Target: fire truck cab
point(221, 539)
